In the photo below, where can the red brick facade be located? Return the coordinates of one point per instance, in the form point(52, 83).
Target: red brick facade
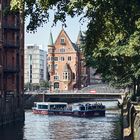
point(65, 65)
point(11, 64)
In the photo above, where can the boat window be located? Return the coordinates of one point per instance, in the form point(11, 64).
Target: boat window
point(57, 107)
point(82, 107)
point(42, 106)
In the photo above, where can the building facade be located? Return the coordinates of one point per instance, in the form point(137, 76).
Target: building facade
point(66, 64)
point(11, 65)
point(35, 69)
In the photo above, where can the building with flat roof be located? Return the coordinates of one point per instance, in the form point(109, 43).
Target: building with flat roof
point(35, 65)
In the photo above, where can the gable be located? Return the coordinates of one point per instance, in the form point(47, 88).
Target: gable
point(63, 41)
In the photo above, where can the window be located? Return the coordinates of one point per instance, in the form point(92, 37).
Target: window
point(52, 58)
point(30, 58)
point(56, 77)
point(62, 50)
point(69, 58)
point(55, 58)
point(48, 58)
point(62, 58)
point(56, 85)
point(55, 66)
point(62, 41)
point(50, 50)
point(43, 106)
point(66, 76)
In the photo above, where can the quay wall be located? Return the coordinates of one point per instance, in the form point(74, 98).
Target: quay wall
point(131, 121)
point(11, 110)
point(137, 127)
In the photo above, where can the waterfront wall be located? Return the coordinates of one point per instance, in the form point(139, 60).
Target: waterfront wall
point(137, 127)
point(131, 121)
point(11, 109)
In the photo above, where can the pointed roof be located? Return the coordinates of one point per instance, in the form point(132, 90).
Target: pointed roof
point(62, 30)
point(79, 38)
point(73, 45)
point(50, 40)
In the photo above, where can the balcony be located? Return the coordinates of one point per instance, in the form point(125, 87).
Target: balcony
point(11, 45)
point(10, 69)
point(11, 27)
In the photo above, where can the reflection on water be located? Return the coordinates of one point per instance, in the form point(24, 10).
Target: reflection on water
point(12, 132)
point(42, 127)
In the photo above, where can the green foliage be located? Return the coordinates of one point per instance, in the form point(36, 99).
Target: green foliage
point(112, 38)
point(44, 84)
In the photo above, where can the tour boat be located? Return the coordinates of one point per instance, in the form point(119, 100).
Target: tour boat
point(60, 108)
point(88, 110)
point(46, 108)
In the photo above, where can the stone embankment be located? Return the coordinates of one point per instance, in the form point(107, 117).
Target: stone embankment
point(137, 124)
point(131, 120)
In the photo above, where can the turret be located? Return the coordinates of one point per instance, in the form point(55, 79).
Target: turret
point(50, 44)
point(51, 54)
point(79, 39)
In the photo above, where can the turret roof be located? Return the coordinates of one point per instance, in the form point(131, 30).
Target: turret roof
point(79, 38)
point(50, 40)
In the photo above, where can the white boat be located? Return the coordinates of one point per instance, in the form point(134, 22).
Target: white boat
point(60, 108)
point(46, 107)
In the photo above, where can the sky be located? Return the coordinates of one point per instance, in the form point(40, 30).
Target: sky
point(41, 37)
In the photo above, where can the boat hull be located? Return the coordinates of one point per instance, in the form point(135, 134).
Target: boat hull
point(94, 113)
point(43, 112)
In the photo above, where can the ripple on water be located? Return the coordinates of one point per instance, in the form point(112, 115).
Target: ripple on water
point(42, 127)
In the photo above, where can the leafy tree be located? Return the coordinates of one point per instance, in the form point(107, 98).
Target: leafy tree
point(112, 38)
point(28, 86)
point(44, 84)
point(36, 86)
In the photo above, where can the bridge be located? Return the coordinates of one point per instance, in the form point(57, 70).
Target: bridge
point(103, 93)
point(114, 96)
point(95, 96)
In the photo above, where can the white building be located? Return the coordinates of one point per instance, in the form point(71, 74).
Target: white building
point(35, 69)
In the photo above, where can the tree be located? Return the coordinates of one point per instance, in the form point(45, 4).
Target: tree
point(44, 84)
point(112, 38)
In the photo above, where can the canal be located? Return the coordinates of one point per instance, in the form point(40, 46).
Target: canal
point(42, 127)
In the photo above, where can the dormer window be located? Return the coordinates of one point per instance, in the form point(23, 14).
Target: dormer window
point(63, 41)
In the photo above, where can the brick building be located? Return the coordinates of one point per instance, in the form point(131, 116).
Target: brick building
point(11, 64)
point(66, 64)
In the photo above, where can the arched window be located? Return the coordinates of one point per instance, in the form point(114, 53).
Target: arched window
point(56, 85)
point(66, 75)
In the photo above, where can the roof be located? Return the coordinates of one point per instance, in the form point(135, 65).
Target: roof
point(73, 44)
point(50, 40)
point(79, 38)
point(50, 103)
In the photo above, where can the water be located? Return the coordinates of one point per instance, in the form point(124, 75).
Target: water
point(43, 127)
